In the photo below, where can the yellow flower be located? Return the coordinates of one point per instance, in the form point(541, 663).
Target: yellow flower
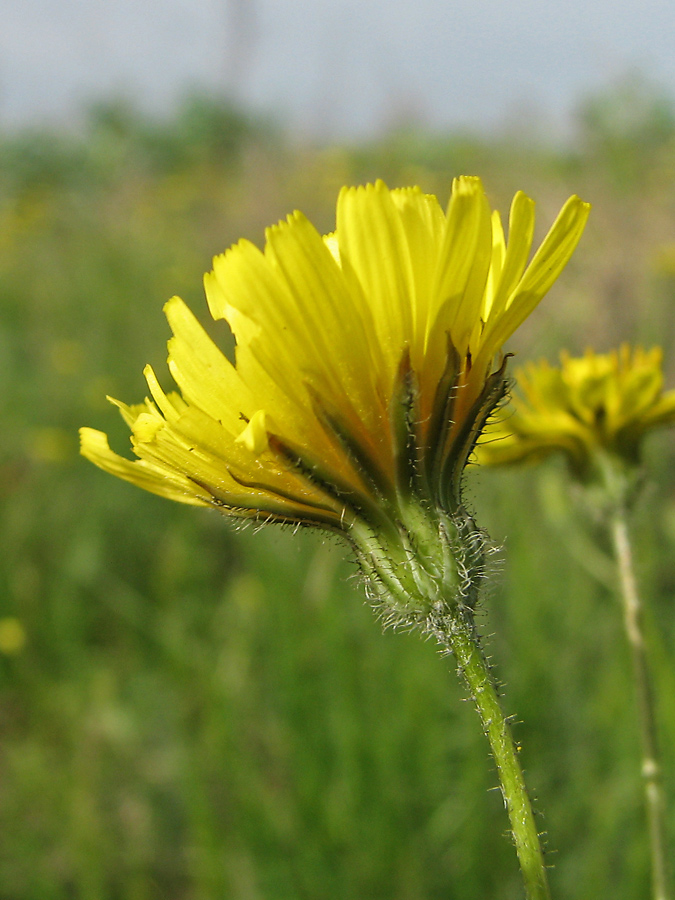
point(12, 636)
point(364, 364)
point(597, 403)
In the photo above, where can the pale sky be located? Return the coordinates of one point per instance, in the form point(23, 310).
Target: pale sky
point(326, 67)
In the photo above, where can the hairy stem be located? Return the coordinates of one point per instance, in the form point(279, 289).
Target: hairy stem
point(456, 632)
point(651, 762)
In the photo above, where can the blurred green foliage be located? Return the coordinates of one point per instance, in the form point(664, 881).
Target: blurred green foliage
point(192, 713)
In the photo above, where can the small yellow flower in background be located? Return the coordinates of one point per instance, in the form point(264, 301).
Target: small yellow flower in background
point(12, 636)
point(365, 367)
point(51, 445)
point(597, 403)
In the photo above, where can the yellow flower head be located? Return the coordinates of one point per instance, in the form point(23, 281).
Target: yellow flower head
point(364, 362)
point(597, 403)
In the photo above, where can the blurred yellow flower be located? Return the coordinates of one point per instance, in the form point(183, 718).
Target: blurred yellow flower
point(595, 403)
point(364, 363)
point(12, 636)
point(66, 357)
point(52, 445)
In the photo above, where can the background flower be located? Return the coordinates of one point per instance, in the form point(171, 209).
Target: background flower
point(588, 405)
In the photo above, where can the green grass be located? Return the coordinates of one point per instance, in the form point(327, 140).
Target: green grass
point(201, 713)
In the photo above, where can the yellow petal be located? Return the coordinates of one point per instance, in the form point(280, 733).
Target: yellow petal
point(463, 263)
point(255, 305)
point(170, 405)
point(254, 436)
point(546, 265)
point(205, 376)
point(335, 333)
point(423, 224)
point(496, 264)
point(316, 333)
point(521, 231)
point(375, 258)
point(156, 478)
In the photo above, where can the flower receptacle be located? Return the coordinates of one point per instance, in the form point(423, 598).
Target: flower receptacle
point(435, 567)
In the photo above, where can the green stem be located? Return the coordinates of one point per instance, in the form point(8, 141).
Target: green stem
point(651, 762)
point(457, 633)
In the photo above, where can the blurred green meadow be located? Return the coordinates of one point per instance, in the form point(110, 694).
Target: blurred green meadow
point(194, 712)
